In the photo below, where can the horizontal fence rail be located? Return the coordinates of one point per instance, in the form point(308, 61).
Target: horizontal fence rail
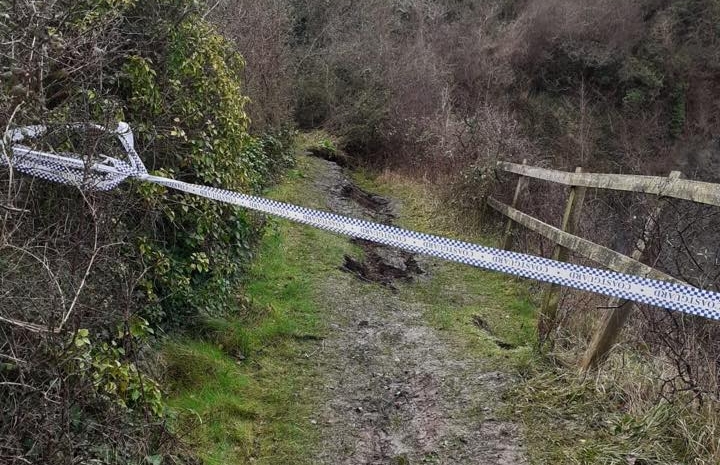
point(695, 191)
point(588, 249)
point(618, 310)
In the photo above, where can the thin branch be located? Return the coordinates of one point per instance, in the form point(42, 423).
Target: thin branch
point(47, 269)
point(10, 209)
point(9, 383)
point(211, 9)
point(82, 284)
point(32, 327)
point(14, 359)
point(6, 156)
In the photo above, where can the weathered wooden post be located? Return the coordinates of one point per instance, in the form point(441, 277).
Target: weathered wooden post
point(551, 298)
point(618, 311)
point(521, 186)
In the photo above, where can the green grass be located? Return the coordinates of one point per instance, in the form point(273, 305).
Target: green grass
point(232, 385)
point(481, 308)
point(239, 386)
point(458, 296)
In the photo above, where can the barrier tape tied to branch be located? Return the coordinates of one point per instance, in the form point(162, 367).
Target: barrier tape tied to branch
point(110, 172)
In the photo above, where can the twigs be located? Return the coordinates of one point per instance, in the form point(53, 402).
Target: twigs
point(46, 266)
point(24, 325)
point(67, 311)
point(89, 267)
point(8, 160)
point(10, 209)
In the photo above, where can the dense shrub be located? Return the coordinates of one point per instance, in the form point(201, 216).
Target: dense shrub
point(196, 131)
point(395, 86)
point(86, 276)
point(262, 31)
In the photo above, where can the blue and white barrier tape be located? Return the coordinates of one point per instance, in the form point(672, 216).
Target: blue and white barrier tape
point(111, 172)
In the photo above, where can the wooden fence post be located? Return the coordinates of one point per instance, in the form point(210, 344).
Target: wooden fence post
point(521, 186)
point(618, 311)
point(551, 299)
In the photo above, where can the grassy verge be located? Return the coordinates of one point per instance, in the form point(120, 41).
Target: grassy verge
point(241, 386)
point(492, 315)
point(614, 416)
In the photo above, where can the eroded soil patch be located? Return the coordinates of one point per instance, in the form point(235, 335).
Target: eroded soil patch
point(382, 264)
point(378, 263)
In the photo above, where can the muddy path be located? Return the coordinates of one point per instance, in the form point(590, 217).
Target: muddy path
point(396, 390)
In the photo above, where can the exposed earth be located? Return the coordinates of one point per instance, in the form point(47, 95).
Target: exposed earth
point(397, 390)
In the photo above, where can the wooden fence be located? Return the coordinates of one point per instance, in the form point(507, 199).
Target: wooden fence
point(617, 312)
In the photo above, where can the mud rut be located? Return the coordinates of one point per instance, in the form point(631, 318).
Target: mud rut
point(396, 390)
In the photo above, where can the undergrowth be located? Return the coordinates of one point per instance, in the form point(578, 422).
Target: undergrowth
point(88, 277)
point(612, 418)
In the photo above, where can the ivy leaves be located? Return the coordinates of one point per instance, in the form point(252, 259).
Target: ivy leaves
point(190, 112)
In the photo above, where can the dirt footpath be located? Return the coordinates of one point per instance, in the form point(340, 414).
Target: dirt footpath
point(398, 391)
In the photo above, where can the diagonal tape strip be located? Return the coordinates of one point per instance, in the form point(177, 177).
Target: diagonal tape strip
point(673, 296)
point(111, 172)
